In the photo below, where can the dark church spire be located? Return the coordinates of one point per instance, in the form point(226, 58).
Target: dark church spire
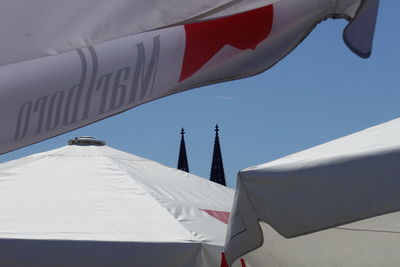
point(182, 161)
point(217, 167)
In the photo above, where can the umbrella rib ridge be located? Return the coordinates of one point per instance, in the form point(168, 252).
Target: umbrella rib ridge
point(122, 170)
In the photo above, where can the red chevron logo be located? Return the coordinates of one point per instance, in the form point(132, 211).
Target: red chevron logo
point(242, 31)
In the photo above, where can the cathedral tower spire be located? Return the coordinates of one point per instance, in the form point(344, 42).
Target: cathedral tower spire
point(182, 160)
point(217, 167)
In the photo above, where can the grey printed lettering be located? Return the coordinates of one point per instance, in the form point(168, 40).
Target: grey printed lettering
point(67, 113)
point(24, 116)
point(53, 118)
point(93, 78)
point(104, 85)
point(144, 79)
point(109, 91)
point(121, 76)
point(78, 89)
point(41, 106)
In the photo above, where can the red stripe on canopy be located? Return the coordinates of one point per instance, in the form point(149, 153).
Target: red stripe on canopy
point(223, 216)
point(242, 31)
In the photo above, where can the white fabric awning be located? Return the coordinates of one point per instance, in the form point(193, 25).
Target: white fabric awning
point(33, 29)
point(97, 206)
point(110, 56)
point(348, 179)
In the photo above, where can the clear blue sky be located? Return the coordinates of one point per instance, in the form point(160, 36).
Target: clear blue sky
point(320, 92)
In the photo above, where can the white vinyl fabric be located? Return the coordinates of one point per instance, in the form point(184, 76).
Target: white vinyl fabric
point(359, 34)
point(368, 243)
point(346, 180)
point(97, 206)
point(33, 29)
point(110, 56)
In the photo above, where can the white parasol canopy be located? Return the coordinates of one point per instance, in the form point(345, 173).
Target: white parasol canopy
point(91, 205)
point(66, 64)
point(346, 180)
